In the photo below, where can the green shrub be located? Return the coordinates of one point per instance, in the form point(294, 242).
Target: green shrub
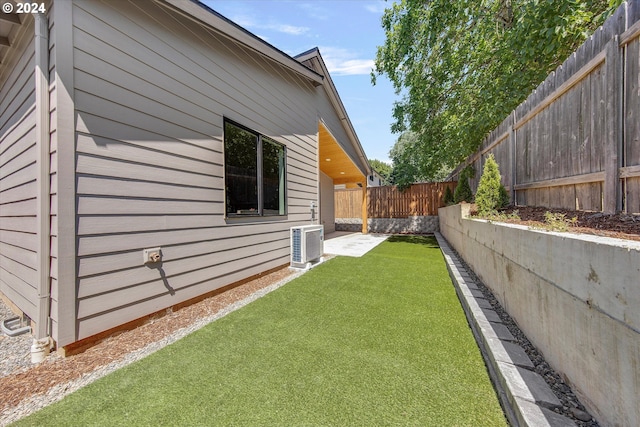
point(448, 197)
point(503, 217)
point(491, 194)
point(558, 221)
point(504, 197)
point(463, 191)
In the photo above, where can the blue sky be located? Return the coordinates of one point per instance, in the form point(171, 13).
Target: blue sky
point(347, 32)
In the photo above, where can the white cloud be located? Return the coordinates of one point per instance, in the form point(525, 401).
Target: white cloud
point(352, 67)
point(244, 21)
point(315, 11)
point(287, 29)
point(342, 62)
point(248, 21)
point(377, 7)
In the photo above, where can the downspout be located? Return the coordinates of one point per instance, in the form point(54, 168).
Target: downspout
point(42, 341)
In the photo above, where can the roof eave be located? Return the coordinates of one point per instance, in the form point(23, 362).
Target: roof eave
point(334, 97)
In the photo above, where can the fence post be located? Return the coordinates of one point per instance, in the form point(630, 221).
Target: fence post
point(364, 207)
point(512, 155)
point(612, 200)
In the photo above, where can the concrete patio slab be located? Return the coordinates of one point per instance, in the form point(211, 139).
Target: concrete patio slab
point(353, 244)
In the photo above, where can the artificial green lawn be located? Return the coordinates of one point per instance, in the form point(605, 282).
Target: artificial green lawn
point(377, 340)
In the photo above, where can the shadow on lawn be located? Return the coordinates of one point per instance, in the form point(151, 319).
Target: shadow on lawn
point(428, 241)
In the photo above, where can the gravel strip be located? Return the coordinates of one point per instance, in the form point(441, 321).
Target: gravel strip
point(571, 406)
point(14, 360)
point(15, 352)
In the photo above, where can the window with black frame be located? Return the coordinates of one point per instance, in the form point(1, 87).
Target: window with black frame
point(255, 176)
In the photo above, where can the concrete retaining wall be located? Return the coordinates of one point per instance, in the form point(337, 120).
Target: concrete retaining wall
point(411, 225)
point(576, 297)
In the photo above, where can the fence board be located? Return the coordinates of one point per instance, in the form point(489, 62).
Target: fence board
point(389, 202)
point(633, 194)
point(348, 203)
point(570, 129)
point(417, 200)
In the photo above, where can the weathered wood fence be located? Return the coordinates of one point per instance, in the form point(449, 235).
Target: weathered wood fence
point(575, 142)
point(389, 202)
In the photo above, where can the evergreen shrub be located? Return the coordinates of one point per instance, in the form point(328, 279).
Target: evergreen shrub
point(491, 194)
point(463, 191)
point(448, 197)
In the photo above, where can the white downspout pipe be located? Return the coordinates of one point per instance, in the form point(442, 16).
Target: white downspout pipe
point(42, 341)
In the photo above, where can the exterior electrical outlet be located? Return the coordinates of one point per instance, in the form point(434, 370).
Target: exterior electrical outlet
point(150, 256)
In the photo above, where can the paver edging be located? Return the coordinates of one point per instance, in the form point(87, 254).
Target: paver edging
point(526, 399)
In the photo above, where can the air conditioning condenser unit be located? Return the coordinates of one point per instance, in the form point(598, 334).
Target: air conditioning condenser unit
point(307, 245)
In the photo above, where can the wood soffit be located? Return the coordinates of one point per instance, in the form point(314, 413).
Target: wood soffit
point(335, 162)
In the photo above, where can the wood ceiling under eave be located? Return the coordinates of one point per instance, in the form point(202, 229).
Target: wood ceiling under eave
point(334, 162)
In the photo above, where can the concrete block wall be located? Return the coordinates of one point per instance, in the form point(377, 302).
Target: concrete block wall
point(349, 224)
point(411, 225)
point(576, 297)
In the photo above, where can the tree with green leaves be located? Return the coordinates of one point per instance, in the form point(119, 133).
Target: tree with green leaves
point(383, 169)
point(405, 170)
point(406, 165)
point(463, 66)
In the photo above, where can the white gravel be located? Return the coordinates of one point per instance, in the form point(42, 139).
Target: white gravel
point(15, 352)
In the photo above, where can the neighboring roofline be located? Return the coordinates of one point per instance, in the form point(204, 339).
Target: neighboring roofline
point(334, 97)
point(204, 15)
point(308, 54)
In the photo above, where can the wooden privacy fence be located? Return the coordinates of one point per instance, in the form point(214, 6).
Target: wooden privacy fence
point(348, 203)
point(575, 142)
point(417, 200)
point(389, 202)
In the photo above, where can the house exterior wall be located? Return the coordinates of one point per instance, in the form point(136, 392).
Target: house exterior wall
point(138, 98)
point(327, 204)
point(18, 174)
point(151, 89)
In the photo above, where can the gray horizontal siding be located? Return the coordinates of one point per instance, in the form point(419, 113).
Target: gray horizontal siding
point(210, 263)
point(117, 242)
point(162, 297)
point(18, 191)
point(150, 96)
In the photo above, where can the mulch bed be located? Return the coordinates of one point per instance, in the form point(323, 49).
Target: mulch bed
point(41, 378)
point(620, 225)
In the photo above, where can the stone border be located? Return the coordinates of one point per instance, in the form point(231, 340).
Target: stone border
point(348, 224)
point(411, 225)
point(525, 397)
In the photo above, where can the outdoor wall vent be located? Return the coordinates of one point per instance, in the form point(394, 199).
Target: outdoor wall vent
point(307, 245)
